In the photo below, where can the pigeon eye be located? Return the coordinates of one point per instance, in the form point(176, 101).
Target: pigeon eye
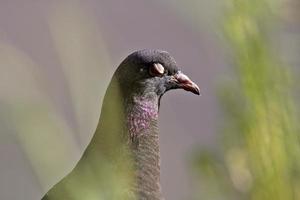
point(156, 69)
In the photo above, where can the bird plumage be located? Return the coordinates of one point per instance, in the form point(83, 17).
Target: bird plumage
point(126, 142)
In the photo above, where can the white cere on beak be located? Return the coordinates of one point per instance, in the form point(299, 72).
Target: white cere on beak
point(182, 77)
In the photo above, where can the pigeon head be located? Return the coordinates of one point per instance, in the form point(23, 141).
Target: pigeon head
point(152, 72)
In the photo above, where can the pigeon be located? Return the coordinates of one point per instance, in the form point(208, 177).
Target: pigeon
point(124, 150)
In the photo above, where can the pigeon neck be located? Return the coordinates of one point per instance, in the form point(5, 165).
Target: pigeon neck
point(140, 114)
point(142, 125)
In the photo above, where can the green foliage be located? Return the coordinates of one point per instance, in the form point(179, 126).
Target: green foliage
point(261, 137)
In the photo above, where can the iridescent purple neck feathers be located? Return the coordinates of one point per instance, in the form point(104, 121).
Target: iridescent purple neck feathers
point(140, 114)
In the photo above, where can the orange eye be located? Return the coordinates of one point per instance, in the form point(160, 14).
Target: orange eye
point(156, 69)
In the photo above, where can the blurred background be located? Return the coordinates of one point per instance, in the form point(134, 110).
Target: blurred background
point(239, 140)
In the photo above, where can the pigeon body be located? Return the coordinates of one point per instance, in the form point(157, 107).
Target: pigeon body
point(126, 140)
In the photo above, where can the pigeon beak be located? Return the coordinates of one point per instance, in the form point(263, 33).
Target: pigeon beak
point(186, 83)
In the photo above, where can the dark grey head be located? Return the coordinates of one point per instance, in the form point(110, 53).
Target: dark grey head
point(152, 71)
